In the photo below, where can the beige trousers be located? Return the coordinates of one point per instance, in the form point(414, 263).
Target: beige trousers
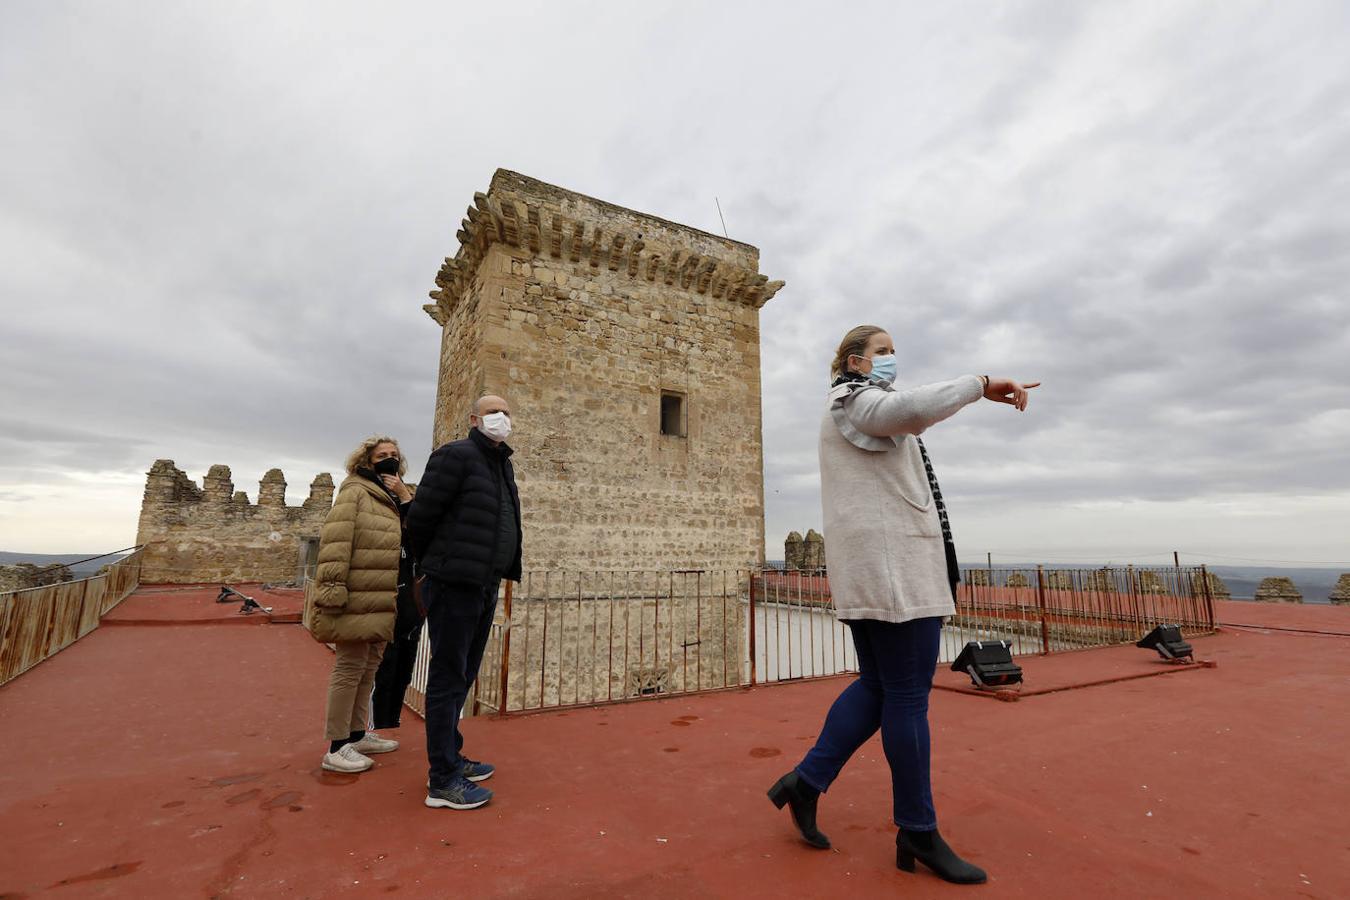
point(349, 687)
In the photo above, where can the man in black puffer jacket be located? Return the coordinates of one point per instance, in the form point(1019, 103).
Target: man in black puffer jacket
point(464, 531)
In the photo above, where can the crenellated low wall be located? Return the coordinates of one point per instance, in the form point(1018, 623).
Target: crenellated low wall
point(210, 533)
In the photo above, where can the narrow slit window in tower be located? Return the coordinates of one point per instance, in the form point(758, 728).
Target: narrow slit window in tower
point(672, 414)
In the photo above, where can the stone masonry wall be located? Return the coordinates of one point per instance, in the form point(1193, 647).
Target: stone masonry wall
point(213, 534)
point(582, 314)
point(24, 575)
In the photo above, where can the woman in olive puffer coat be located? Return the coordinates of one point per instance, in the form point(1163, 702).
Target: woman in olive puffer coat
point(351, 603)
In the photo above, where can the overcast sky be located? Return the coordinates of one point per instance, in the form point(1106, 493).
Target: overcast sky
point(219, 222)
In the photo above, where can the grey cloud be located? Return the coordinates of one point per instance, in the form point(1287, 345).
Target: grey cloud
point(218, 228)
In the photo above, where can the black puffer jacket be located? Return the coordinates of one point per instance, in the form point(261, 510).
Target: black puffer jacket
point(453, 524)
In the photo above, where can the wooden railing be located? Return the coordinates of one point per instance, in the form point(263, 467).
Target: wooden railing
point(39, 622)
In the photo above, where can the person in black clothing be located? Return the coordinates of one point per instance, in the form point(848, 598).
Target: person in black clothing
point(465, 535)
point(396, 668)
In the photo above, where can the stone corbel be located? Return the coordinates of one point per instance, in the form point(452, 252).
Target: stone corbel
point(754, 287)
point(770, 289)
point(533, 237)
point(555, 237)
point(510, 222)
point(687, 270)
point(616, 252)
point(578, 233)
point(434, 310)
point(634, 258)
point(597, 247)
point(672, 266)
point(738, 286)
point(703, 279)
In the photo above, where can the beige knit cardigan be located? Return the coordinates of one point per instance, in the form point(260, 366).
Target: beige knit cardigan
point(882, 535)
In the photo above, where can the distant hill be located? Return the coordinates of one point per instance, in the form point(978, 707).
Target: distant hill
point(84, 570)
point(1313, 583)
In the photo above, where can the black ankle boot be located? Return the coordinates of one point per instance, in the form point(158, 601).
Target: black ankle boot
point(792, 790)
point(929, 848)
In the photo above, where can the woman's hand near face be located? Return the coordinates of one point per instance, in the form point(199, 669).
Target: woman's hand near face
point(395, 484)
point(1005, 390)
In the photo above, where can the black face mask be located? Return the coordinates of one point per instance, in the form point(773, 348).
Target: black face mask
point(386, 466)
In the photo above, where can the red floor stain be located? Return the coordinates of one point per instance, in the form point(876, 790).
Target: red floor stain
point(244, 797)
point(285, 798)
point(116, 870)
point(333, 779)
point(765, 752)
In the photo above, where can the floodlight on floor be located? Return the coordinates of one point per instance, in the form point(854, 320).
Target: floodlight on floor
point(989, 664)
point(1166, 639)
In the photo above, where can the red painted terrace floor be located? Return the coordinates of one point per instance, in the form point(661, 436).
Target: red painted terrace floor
point(178, 756)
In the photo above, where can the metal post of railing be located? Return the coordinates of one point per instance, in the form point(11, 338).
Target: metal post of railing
point(1040, 601)
point(1209, 597)
point(1134, 599)
point(504, 664)
point(752, 628)
point(84, 598)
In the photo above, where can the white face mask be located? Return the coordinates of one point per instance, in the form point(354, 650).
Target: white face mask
point(496, 426)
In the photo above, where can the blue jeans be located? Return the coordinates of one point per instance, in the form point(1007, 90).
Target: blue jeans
point(459, 619)
point(895, 674)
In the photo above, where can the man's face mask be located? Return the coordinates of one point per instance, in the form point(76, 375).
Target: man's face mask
point(496, 426)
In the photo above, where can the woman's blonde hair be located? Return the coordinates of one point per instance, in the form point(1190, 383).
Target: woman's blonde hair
point(853, 344)
point(360, 457)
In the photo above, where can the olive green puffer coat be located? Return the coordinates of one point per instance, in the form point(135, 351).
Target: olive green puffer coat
point(353, 596)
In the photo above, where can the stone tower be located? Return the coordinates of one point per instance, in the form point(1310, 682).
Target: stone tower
point(628, 348)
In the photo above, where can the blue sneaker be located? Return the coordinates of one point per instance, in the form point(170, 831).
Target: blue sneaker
point(476, 771)
point(459, 794)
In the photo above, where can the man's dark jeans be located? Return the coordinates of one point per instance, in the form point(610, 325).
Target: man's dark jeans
point(459, 617)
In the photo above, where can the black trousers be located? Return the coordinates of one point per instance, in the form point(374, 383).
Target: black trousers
point(392, 679)
point(459, 619)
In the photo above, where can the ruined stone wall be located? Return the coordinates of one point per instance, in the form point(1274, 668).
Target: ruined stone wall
point(582, 314)
point(24, 575)
point(1278, 590)
point(211, 533)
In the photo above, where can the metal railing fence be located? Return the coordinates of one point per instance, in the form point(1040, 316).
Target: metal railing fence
point(566, 639)
point(1040, 610)
point(36, 623)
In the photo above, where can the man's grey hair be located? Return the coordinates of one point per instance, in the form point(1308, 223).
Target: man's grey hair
point(473, 407)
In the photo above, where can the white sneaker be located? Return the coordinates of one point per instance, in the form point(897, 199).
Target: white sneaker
point(373, 743)
point(347, 759)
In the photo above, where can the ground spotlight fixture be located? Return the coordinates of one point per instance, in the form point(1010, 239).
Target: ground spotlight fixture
point(1166, 639)
point(989, 664)
point(229, 595)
